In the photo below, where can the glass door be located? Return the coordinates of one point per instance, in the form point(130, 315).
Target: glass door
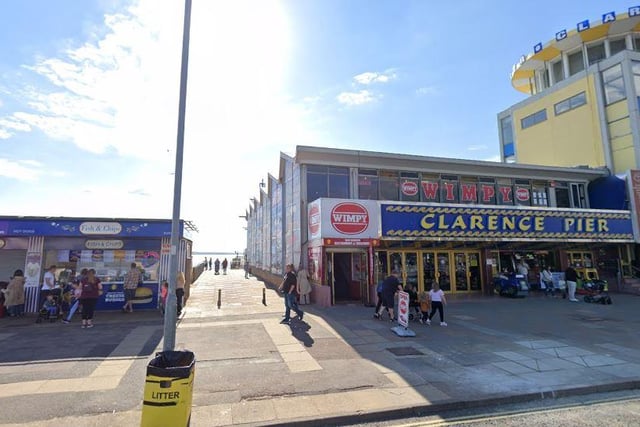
point(475, 276)
point(428, 269)
point(407, 264)
point(462, 283)
point(443, 270)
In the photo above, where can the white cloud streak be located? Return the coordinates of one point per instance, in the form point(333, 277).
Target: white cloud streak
point(478, 147)
point(426, 90)
point(21, 170)
point(370, 77)
point(356, 98)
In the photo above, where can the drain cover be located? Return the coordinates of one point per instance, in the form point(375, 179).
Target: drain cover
point(405, 351)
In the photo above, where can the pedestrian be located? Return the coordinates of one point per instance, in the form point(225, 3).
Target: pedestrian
point(180, 282)
point(164, 291)
point(571, 277)
point(205, 263)
point(225, 263)
point(390, 287)
point(304, 287)
point(90, 292)
point(425, 306)
point(546, 281)
point(210, 263)
point(438, 301)
point(289, 288)
point(523, 269)
point(246, 269)
point(379, 303)
point(48, 283)
point(77, 293)
point(14, 295)
point(216, 266)
point(131, 281)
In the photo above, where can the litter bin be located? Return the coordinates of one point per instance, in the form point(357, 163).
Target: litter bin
point(168, 389)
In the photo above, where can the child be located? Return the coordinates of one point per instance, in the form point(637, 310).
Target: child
point(164, 291)
point(425, 306)
point(50, 306)
point(438, 302)
point(77, 292)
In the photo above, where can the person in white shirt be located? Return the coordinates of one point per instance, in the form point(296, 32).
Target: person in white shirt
point(546, 281)
point(438, 301)
point(48, 284)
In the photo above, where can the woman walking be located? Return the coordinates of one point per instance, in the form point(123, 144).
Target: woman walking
point(438, 301)
point(14, 297)
point(91, 290)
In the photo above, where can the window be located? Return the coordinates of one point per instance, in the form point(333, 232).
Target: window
point(635, 66)
point(562, 197)
point(534, 119)
point(570, 103)
point(576, 62)
point(323, 181)
point(636, 43)
point(578, 197)
point(595, 53)
point(558, 72)
point(410, 186)
point(368, 184)
point(613, 84)
point(389, 185)
point(616, 46)
point(539, 194)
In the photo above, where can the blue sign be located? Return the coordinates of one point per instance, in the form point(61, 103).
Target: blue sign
point(112, 297)
point(87, 228)
point(453, 222)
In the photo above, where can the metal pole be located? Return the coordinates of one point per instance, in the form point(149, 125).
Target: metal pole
point(170, 312)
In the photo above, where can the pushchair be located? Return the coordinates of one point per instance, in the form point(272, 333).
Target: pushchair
point(51, 312)
point(595, 291)
point(414, 305)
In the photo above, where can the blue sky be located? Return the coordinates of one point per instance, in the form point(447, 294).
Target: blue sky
point(88, 94)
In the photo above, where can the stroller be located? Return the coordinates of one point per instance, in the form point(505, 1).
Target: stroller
point(51, 310)
point(595, 291)
point(414, 304)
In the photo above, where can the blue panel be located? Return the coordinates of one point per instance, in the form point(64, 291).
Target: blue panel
point(88, 228)
point(509, 150)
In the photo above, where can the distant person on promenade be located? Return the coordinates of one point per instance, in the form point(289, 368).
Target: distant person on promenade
point(131, 281)
point(180, 282)
point(246, 269)
point(216, 266)
point(14, 295)
point(210, 263)
point(225, 264)
point(205, 263)
point(289, 287)
point(91, 291)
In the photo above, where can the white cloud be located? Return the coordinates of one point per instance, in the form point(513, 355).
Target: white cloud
point(356, 98)
point(4, 134)
point(426, 90)
point(477, 147)
point(370, 77)
point(20, 170)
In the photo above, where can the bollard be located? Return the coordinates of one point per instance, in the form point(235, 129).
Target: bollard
point(219, 298)
point(264, 297)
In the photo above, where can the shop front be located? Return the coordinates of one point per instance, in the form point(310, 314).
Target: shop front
point(108, 246)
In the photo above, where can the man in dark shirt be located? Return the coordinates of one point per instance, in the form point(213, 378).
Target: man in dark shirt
point(571, 277)
point(289, 287)
point(390, 286)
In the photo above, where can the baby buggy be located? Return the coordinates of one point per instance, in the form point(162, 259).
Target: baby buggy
point(51, 310)
point(595, 291)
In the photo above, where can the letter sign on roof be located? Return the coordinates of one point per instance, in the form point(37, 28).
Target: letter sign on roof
point(584, 25)
point(608, 17)
point(561, 35)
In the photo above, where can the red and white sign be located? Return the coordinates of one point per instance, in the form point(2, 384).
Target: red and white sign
point(522, 194)
point(409, 188)
point(403, 309)
point(349, 218)
point(343, 220)
point(314, 220)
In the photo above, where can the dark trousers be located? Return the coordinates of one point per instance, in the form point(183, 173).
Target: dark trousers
point(179, 299)
point(437, 305)
point(88, 307)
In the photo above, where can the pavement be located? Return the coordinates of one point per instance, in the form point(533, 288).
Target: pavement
point(335, 367)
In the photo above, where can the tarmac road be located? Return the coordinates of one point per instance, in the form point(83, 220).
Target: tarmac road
point(338, 366)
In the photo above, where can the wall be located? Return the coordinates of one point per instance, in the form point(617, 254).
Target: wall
point(569, 139)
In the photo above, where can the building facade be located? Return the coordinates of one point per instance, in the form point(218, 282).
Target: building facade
point(584, 87)
point(108, 245)
point(350, 217)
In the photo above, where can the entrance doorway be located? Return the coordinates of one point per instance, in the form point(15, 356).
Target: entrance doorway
point(347, 275)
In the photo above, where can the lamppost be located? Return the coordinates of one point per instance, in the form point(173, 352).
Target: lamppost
point(169, 341)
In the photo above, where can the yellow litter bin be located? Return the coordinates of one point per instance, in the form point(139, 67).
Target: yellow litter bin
point(168, 390)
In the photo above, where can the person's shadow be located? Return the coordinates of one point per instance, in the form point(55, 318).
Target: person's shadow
point(300, 330)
